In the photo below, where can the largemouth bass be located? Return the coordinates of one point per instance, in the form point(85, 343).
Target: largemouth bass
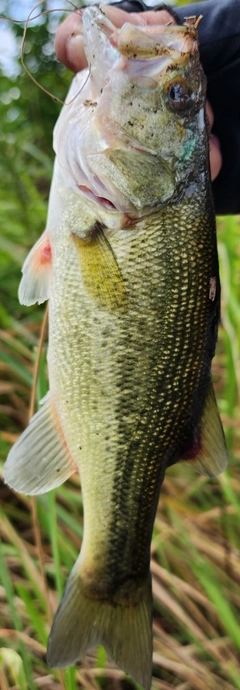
point(129, 264)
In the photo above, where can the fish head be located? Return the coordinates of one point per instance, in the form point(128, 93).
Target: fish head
point(138, 135)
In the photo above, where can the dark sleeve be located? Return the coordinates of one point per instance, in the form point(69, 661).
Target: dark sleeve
point(219, 36)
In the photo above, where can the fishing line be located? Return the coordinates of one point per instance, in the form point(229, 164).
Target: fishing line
point(26, 27)
point(37, 364)
point(33, 501)
point(35, 522)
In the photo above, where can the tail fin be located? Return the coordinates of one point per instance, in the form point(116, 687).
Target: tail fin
point(125, 631)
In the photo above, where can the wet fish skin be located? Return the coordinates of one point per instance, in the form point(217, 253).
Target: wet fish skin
point(133, 315)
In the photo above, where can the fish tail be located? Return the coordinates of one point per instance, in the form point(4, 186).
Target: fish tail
point(124, 629)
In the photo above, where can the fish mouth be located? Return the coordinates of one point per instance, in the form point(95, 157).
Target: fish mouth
point(100, 200)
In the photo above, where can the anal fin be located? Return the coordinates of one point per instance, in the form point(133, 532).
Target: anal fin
point(39, 460)
point(212, 456)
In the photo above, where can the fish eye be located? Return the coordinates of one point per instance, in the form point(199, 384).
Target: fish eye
point(179, 95)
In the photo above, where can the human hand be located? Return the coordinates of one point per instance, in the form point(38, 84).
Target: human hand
point(69, 50)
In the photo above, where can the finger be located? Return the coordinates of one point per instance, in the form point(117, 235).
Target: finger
point(210, 115)
point(214, 146)
point(69, 43)
point(119, 17)
point(215, 156)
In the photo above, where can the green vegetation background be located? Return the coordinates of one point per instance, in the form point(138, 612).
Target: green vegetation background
point(196, 541)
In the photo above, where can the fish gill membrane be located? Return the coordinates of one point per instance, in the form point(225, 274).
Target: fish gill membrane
point(129, 264)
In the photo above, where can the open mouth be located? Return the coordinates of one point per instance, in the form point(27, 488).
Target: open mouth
point(104, 203)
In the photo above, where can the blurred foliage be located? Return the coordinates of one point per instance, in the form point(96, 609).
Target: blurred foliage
point(27, 116)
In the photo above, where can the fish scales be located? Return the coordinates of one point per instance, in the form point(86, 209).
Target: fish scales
point(139, 425)
point(134, 301)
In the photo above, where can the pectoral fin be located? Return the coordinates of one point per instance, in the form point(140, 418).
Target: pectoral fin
point(100, 271)
point(212, 457)
point(39, 460)
point(34, 286)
